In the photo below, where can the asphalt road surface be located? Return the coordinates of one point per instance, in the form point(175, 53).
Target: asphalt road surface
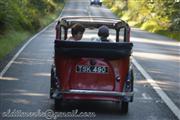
point(25, 83)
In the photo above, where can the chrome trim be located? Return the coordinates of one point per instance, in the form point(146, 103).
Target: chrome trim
point(100, 93)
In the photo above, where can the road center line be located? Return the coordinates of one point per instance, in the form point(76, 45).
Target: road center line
point(158, 90)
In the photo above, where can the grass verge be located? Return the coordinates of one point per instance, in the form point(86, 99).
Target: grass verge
point(154, 28)
point(10, 40)
point(173, 35)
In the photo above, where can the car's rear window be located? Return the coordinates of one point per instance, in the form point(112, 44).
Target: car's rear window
point(92, 35)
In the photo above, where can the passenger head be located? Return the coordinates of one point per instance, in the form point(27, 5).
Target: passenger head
point(103, 31)
point(77, 31)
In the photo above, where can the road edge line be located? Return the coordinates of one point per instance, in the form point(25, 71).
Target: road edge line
point(158, 90)
point(20, 50)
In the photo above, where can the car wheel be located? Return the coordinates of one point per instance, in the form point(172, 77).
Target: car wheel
point(132, 79)
point(57, 104)
point(52, 84)
point(124, 107)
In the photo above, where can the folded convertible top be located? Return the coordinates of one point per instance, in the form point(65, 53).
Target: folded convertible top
point(93, 49)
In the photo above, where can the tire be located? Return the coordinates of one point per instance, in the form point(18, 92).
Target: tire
point(57, 104)
point(52, 84)
point(124, 107)
point(132, 80)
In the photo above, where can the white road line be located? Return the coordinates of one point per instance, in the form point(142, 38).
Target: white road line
point(159, 91)
point(19, 52)
point(24, 46)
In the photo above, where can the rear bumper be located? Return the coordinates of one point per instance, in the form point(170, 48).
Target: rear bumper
point(100, 93)
point(125, 96)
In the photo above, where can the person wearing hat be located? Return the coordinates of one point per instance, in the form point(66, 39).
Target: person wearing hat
point(103, 33)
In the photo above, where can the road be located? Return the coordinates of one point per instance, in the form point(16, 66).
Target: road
point(24, 84)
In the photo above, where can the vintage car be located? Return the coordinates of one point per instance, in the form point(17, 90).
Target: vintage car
point(96, 2)
point(91, 70)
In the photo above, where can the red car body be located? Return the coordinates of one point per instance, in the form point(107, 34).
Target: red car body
point(85, 70)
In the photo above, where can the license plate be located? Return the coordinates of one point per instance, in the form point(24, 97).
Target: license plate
point(91, 69)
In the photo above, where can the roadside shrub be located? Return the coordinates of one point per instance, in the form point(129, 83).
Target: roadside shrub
point(152, 15)
point(24, 14)
point(175, 26)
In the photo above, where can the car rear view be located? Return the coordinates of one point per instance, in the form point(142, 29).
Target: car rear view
point(88, 70)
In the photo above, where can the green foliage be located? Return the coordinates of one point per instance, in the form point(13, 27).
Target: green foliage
point(11, 40)
point(151, 15)
point(20, 18)
point(24, 14)
point(175, 35)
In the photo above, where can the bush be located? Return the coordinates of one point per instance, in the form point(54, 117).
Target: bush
point(24, 14)
point(158, 15)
